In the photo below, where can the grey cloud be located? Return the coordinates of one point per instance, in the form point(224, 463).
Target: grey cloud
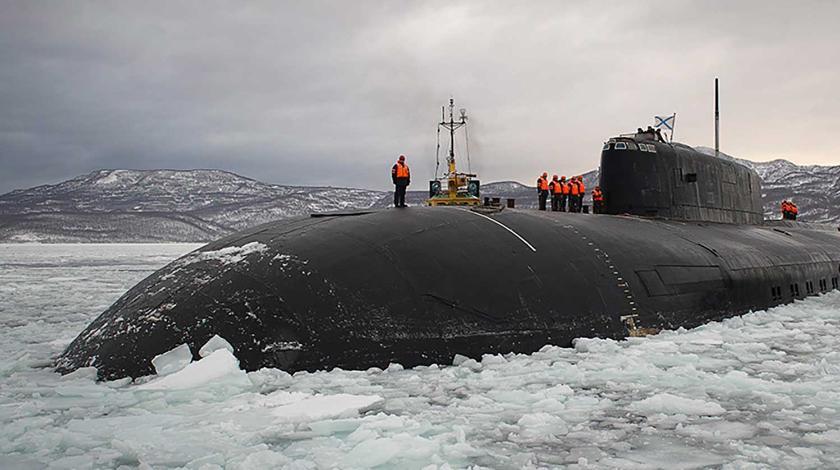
point(330, 92)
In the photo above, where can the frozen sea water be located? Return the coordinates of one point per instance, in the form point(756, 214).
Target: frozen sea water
point(759, 391)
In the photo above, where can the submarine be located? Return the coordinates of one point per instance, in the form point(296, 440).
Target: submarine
point(681, 241)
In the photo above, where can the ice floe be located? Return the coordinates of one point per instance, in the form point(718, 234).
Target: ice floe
point(758, 391)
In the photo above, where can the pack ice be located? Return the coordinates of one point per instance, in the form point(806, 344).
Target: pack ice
point(758, 391)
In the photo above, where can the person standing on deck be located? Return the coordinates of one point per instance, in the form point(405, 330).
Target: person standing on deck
point(556, 191)
point(542, 189)
point(401, 177)
point(574, 192)
point(564, 198)
point(581, 193)
point(597, 200)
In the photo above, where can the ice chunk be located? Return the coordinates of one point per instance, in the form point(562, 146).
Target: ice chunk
point(213, 344)
point(722, 431)
point(172, 361)
point(333, 426)
point(219, 367)
point(666, 403)
point(395, 367)
point(374, 452)
point(459, 359)
point(261, 459)
point(321, 407)
point(82, 373)
point(471, 364)
point(539, 427)
point(268, 380)
point(493, 359)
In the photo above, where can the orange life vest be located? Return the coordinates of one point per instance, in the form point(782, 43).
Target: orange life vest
point(402, 170)
point(556, 187)
point(566, 187)
point(574, 188)
point(793, 209)
point(597, 195)
point(542, 184)
point(581, 187)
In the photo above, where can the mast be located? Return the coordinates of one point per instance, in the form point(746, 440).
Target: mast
point(717, 121)
point(451, 137)
point(452, 125)
point(461, 189)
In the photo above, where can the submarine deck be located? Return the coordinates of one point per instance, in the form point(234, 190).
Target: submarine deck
point(419, 285)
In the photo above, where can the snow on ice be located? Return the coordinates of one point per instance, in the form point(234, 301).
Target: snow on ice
point(758, 391)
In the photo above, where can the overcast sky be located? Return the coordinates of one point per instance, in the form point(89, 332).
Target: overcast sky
point(330, 92)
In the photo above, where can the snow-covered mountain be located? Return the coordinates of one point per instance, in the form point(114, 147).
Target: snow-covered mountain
point(815, 189)
point(201, 205)
point(160, 205)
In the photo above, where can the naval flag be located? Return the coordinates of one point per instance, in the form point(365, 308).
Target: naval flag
point(666, 121)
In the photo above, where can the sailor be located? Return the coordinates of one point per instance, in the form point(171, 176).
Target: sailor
point(597, 200)
point(542, 189)
point(577, 194)
point(401, 177)
point(574, 192)
point(564, 196)
point(556, 193)
point(794, 211)
point(788, 210)
point(581, 192)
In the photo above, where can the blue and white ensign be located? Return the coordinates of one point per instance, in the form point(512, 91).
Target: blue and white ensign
point(667, 122)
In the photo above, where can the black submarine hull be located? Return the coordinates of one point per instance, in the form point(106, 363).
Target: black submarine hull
point(420, 285)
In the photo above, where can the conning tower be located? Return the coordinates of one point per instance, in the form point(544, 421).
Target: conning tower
point(642, 175)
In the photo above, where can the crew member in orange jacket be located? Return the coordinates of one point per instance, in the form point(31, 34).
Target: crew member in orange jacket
point(556, 191)
point(564, 196)
point(789, 210)
point(581, 193)
point(401, 176)
point(785, 210)
point(542, 189)
point(597, 200)
point(574, 195)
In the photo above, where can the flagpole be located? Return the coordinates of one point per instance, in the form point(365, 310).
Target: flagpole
point(717, 121)
point(673, 126)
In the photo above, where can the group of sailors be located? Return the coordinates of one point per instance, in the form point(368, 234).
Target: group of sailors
point(565, 193)
point(651, 133)
point(789, 210)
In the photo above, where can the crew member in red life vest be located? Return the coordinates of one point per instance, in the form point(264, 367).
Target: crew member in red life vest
point(574, 192)
point(556, 193)
point(789, 210)
point(785, 210)
point(542, 189)
point(581, 193)
point(597, 200)
point(566, 187)
point(401, 177)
